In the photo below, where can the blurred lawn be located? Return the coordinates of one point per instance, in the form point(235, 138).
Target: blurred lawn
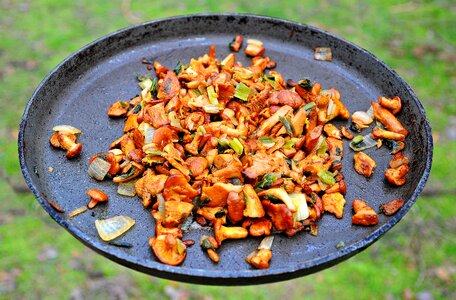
point(416, 259)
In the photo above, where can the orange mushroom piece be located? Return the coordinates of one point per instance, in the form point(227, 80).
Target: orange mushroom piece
point(394, 104)
point(391, 207)
point(334, 203)
point(177, 188)
point(364, 214)
point(364, 164)
point(168, 249)
point(397, 176)
point(222, 232)
point(96, 196)
point(388, 119)
point(118, 109)
point(67, 141)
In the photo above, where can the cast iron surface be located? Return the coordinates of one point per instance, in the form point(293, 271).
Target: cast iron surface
point(79, 91)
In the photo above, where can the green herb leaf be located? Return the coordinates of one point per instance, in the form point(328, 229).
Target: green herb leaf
point(242, 91)
point(326, 177)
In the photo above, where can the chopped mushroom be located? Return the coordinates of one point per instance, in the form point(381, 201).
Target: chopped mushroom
point(397, 176)
point(222, 232)
point(394, 104)
point(364, 215)
point(388, 119)
point(364, 164)
point(392, 207)
point(168, 249)
point(96, 196)
point(334, 203)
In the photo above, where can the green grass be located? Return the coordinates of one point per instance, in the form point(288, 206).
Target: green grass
point(416, 38)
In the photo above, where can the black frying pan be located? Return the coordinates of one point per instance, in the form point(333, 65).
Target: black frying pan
point(79, 91)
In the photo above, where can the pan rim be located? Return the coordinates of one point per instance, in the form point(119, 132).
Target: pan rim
point(220, 277)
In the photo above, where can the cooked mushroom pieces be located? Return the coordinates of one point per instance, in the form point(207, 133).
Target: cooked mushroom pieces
point(364, 164)
point(64, 137)
point(364, 214)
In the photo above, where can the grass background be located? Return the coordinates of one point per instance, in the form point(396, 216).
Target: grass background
point(415, 260)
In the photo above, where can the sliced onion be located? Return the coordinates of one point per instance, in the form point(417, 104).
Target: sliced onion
point(66, 128)
point(127, 188)
point(77, 211)
point(109, 229)
point(266, 243)
point(323, 53)
point(331, 108)
point(366, 143)
point(149, 132)
point(172, 116)
point(299, 200)
point(161, 205)
point(99, 168)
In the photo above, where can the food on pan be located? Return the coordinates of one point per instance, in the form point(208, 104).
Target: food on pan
point(64, 137)
point(237, 148)
point(231, 147)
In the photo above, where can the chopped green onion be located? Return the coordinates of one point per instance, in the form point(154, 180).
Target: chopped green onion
point(154, 88)
point(236, 145)
point(362, 142)
point(322, 149)
point(268, 180)
point(357, 139)
point(178, 68)
point(201, 129)
point(308, 107)
point(269, 79)
point(154, 152)
point(242, 91)
point(287, 124)
point(267, 141)
point(211, 108)
point(305, 84)
point(212, 95)
point(326, 177)
point(136, 109)
point(289, 144)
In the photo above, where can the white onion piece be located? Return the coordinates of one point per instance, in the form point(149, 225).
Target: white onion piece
point(109, 229)
point(266, 243)
point(331, 108)
point(362, 119)
point(127, 188)
point(99, 168)
point(299, 200)
point(149, 132)
point(366, 143)
point(77, 211)
point(66, 128)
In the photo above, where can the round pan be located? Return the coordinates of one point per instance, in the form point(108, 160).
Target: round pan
point(79, 91)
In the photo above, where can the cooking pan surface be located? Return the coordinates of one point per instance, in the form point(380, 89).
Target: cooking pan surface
point(79, 91)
